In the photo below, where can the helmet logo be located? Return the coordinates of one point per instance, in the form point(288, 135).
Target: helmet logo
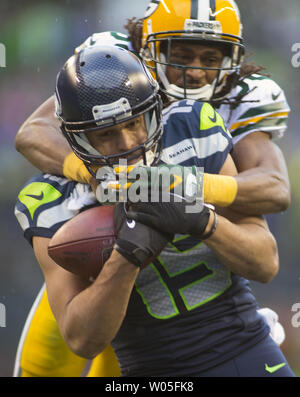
point(213, 14)
point(131, 224)
point(191, 25)
point(119, 110)
point(151, 8)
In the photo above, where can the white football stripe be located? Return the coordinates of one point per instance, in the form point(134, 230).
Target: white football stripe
point(203, 10)
point(185, 109)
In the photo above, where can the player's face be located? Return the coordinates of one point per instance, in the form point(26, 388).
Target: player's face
point(193, 55)
point(119, 138)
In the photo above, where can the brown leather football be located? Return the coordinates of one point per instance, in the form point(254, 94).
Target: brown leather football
point(84, 243)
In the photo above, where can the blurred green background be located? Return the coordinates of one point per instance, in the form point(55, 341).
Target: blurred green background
point(39, 36)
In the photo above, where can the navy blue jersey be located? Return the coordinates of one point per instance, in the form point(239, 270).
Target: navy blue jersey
point(194, 134)
point(187, 312)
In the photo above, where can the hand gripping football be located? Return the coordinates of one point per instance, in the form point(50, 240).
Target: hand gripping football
point(84, 243)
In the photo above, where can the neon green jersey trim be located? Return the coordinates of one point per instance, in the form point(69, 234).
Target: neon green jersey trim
point(37, 194)
point(209, 118)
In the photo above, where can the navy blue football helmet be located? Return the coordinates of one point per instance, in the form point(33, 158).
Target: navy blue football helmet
point(102, 86)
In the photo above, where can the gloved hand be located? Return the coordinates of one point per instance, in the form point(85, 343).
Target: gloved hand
point(138, 243)
point(171, 217)
point(277, 332)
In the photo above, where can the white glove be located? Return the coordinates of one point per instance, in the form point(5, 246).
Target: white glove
point(277, 332)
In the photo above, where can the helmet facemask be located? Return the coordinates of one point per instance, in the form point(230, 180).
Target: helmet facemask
point(209, 23)
point(157, 54)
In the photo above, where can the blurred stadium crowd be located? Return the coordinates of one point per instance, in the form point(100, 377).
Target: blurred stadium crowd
point(38, 37)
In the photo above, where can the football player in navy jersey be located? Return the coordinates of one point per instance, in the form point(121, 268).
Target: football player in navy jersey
point(205, 322)
point(253, 106)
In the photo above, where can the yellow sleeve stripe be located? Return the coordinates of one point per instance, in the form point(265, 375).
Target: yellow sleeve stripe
point(257, 119)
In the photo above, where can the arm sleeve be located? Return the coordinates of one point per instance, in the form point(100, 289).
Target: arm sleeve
point(266, 111)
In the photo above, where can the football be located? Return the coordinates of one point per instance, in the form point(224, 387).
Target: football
point(84, 243)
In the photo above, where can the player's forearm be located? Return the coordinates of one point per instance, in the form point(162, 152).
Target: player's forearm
point(247, 250)
point(94, 316)
point(39, 139)
point(257, 191)
point(42, 145)
point(261, 191)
